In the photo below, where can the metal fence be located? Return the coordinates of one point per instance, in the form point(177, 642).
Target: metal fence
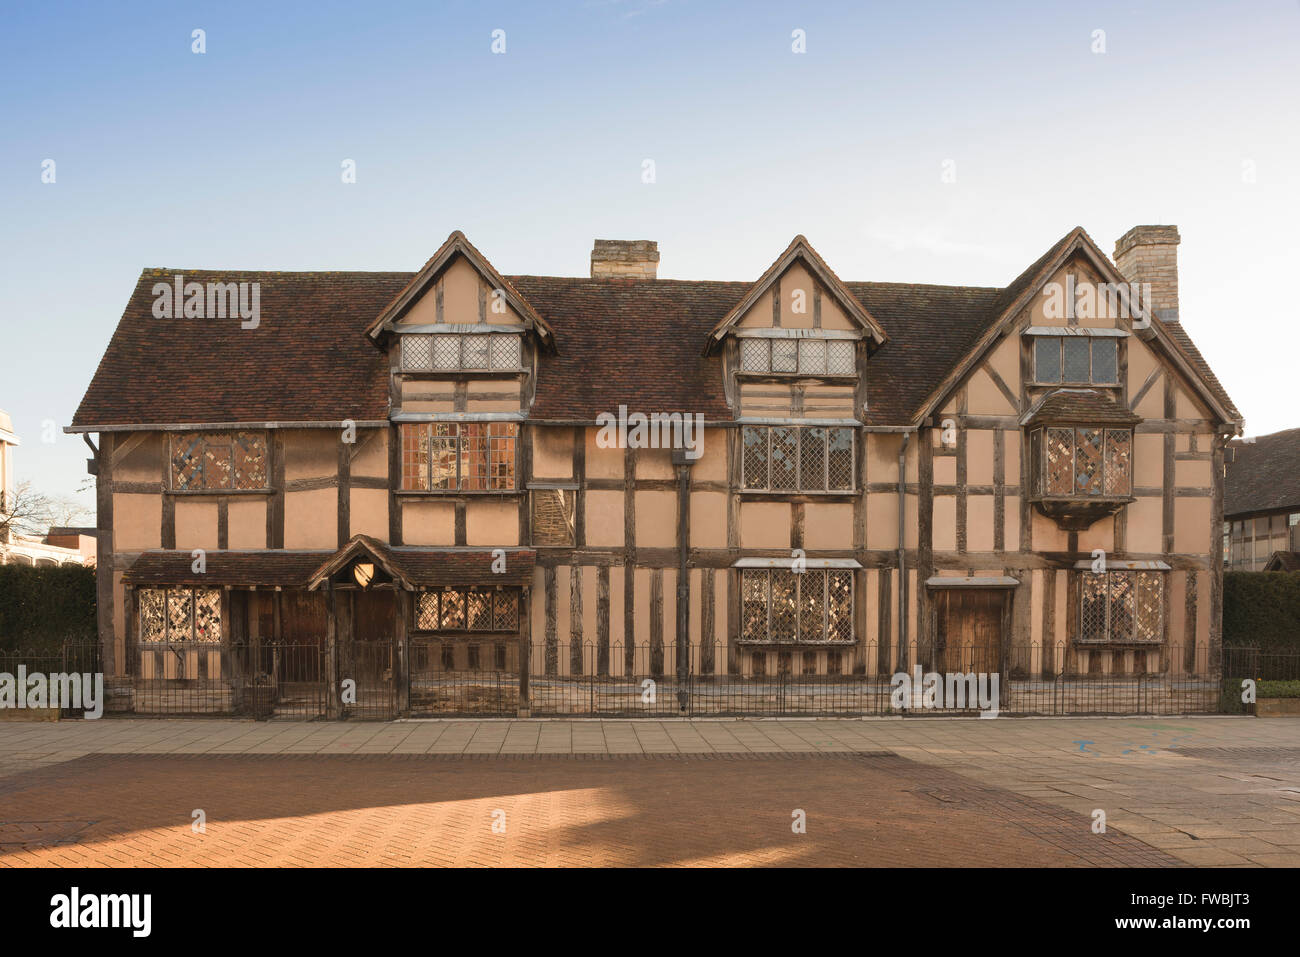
point(51, 663)
point(269, 680)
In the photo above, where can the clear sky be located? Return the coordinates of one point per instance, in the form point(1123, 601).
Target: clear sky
point(232, 158)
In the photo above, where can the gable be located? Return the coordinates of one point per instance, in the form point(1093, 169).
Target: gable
point(812, 293)
point(459, 295)
point(1033, 301)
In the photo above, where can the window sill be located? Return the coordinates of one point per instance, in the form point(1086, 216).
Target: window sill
point(460, 493)
point(761, 495)
point(459, 373)
point(219, 491)
point(1072, 385)
point(1122, 644)
point(787, 376)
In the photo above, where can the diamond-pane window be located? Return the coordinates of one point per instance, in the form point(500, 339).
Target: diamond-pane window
point(479, 608)
point(812, 356)
point(1060, 462)
point(754, 355)
point(839, 605)
point(1092, 613)
point(250, 460)
point(839, 466)
point(446, 352)
point(785, 459)
point(180, 615)
point(1149, 606)
point(1121, 606)
point(812, 458)
point(1118, 471)
point(153, 621)
point(753, 597)
point(1087, 462)
point(207, 615)
point(426, 611)
point(505, 610)
point(417, 352)
point(754, 456)
point(782, 605)
point(474, 352)
point(453, 610)
point(812, 602)
point(784, 355)
point(1047, 359)
point(506, 352)
point(839, 357)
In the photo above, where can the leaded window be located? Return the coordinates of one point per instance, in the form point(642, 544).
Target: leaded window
point(458, 609)
point(814, 356)
point(458, 456)
point(471, 352)
point(784, 605)
point(1121, 606)
point(179, 614)
point(1082, 462)
point(206, 461)
point(797, 458)
point(1076, 360)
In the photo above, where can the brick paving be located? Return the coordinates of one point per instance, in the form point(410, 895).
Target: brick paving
point(555, 810)
point(1200, 791)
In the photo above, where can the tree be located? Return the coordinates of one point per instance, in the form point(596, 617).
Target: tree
point(27, 511)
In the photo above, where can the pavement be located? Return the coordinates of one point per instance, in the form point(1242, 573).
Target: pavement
point(1015, 792)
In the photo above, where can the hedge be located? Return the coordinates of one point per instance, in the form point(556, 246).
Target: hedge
point(1262, 610)
point(42, 605)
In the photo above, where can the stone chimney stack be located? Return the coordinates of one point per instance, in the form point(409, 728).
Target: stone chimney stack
point(624, 259)
point(1149, 254)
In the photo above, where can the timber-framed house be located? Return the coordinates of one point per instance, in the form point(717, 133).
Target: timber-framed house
point(402, 481)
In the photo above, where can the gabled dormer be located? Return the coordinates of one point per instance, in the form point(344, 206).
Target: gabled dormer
point(795, 345)
point(462, 348)
point(457, 322)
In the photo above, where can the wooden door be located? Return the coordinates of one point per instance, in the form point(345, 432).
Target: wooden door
point(969, 632)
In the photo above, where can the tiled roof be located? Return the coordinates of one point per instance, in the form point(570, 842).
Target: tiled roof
point(619, 341)
point(1263, 475)
point(266, 569)
point(1081, 406)
point(292, 569)
point(1283, 562)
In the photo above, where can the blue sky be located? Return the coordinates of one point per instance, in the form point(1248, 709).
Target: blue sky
point(231, 158)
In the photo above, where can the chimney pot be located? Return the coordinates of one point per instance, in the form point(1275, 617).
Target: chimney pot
point(624, 259)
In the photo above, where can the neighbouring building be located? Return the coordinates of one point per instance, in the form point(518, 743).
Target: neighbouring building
point(411, 480)
point(1261, 503)
point(60, 546)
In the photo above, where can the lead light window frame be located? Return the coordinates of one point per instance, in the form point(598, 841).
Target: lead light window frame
point(1081, 462)
point(784, 459)
point(806, 356)
point(1053, 355)
point(219, 461)
point(1121, 607)
point(179, 615)
point(456, 457)
point(461, 352)
point(468, 610)
point(813, 607)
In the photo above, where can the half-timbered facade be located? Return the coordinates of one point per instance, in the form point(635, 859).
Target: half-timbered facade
point(409, 480)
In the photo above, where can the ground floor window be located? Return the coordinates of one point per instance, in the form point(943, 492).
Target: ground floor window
point(457, 609)
point(781, 604)
point(1121, 606)
point(179, 614)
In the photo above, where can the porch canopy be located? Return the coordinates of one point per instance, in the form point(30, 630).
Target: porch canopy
point(409, 567)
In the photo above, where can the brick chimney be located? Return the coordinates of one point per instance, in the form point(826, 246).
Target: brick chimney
point(1149, 254)
point(624, 259)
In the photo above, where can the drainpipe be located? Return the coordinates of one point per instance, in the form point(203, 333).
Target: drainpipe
point(683, 636)
point(902, 558)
